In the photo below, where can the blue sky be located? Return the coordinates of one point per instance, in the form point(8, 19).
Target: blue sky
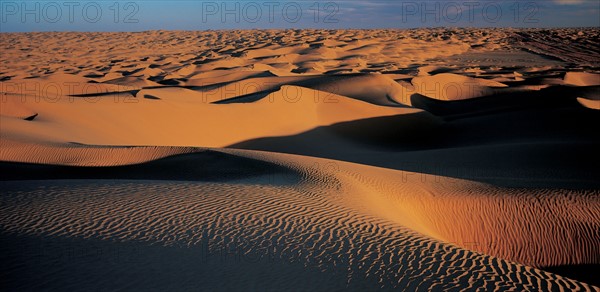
point(29, 15)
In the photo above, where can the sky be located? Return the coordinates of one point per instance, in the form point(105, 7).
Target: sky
point(119, 15)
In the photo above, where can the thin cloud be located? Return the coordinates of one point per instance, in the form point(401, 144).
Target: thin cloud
point(569, 2)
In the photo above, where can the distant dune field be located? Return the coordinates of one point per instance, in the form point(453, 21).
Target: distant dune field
point(425, 159)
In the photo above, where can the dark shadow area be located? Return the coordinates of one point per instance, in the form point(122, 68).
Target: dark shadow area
point(547, 98)
point(149, 96)
point(128, 73)
point(582, 273)
point(93, 75)
point(31, 118)
point(208, 166)
point(169, 82)
point(248, 98)
point(51, 263)
point(544, 141)
point(99, 94)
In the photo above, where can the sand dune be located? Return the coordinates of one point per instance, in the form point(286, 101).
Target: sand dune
point(332, 215)
point(424, 159)
point(589, 103)
point(447, 86)
point(582, 79)
point(446, 209)
point(290, 109)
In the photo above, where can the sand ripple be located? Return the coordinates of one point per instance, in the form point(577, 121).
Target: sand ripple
point(345, 223)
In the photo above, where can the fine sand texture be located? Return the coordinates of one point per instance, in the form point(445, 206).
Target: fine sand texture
point(424, 159)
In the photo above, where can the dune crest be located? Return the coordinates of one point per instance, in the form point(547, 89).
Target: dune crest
point(338, 202)
point(287, 110)
point(582, 79)
point(448, 86)
point(589, 103)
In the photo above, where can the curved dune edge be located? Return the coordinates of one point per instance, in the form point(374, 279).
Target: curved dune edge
point(83, 155)
point(448, 86)
point(470, 215)
point(508, 223)
point(589, 103)
point(289, 110)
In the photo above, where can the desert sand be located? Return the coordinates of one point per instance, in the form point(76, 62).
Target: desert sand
point(425, 159)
